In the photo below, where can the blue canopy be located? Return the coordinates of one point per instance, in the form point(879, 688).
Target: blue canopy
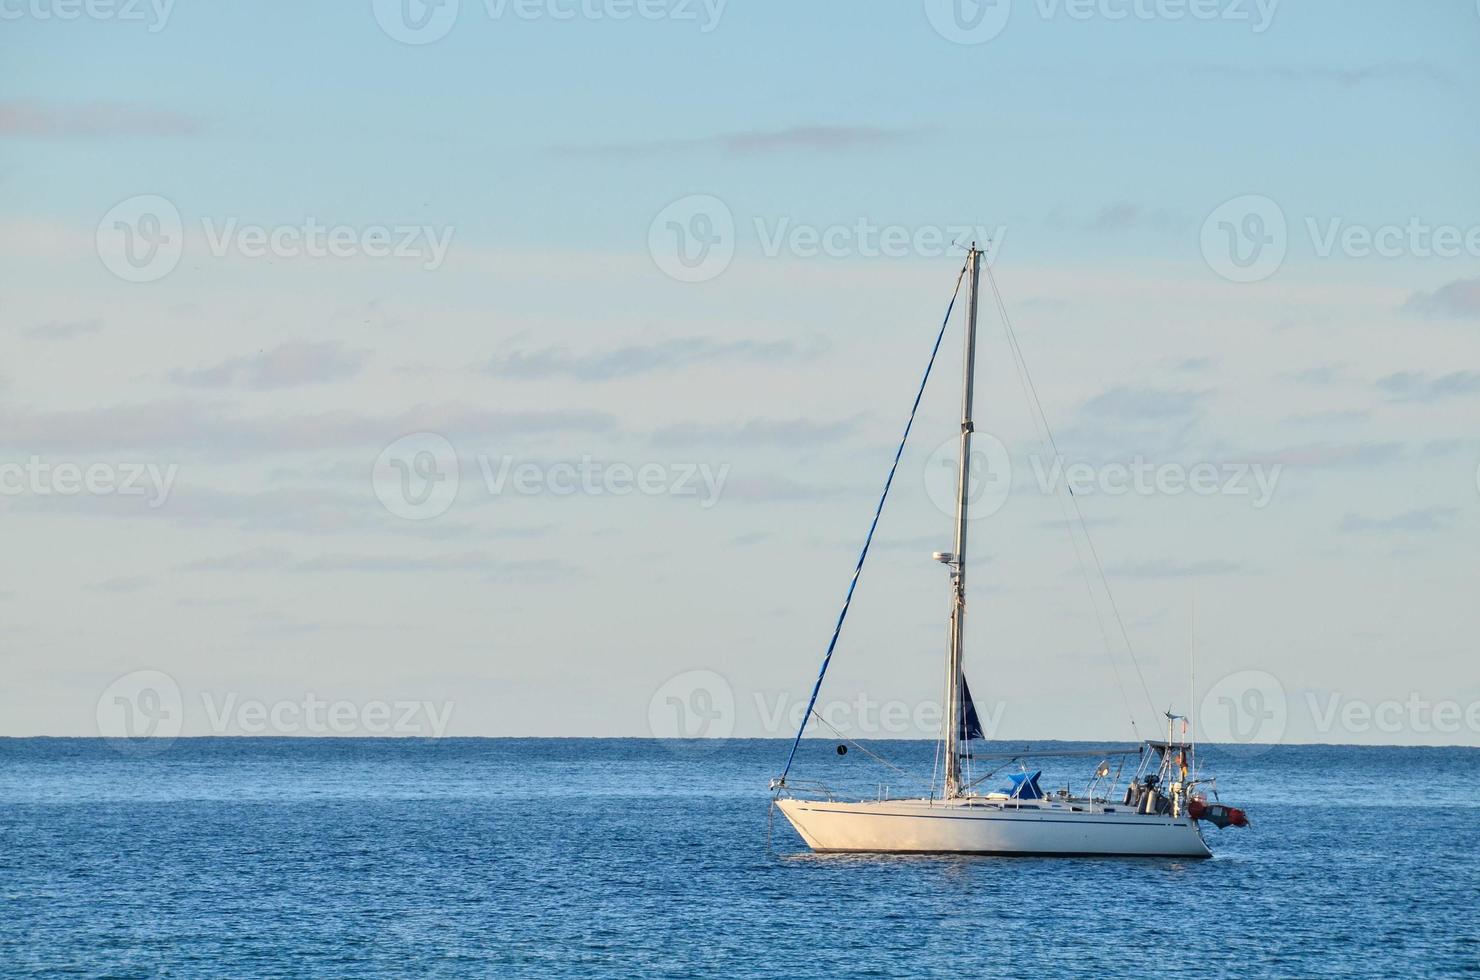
point(1025, 785)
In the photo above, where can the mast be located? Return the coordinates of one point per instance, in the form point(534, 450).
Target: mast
point(954, 706)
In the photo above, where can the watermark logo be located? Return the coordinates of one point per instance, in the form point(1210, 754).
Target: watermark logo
point(39, 477)
point(693, 238)
point(592, 477)
point(979, 21)
point(141, 713)
point(864, 717)
point(1416, 715)
point(155, 14)
point(1414, 239)
point(968, 21)
point(313, 239)
point(696, 704)
point(1144, 478)
point(417, 476)
point(705, 13)
point(1246, 711)
point(1258, 14)
point(141, 238)
point(424, 21)
point(1245, 239)
point(865, 239)
point(416, 21)
point(312, 715)
point(989, 476)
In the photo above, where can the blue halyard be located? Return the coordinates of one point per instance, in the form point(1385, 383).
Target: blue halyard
point(879, 510)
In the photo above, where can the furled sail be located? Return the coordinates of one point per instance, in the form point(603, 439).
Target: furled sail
point(971, 725)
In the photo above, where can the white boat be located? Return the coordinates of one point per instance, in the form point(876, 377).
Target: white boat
point(1158, 813)
point(978, 826)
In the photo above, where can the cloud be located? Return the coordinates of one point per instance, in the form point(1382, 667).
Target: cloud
point(1332, 455)
point(1167, 568)
point(1419, 386)
point(252, 560)
point(1426, 519)
point(282, 560)
point(1118, 216)
point(1382, 71)
point(122, 583)
point(62, 329)
point(1125, 216)
point(756, 432)
point(1459, 299)
point(90, 120)
point(183, 425)
point(753, 141)
point(314, 511)
point(1143, 403)
point(1320, 376)
point(773, 489)
point(288, 365)
point(639, 359)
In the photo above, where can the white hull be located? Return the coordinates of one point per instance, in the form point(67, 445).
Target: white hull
point(982, 827)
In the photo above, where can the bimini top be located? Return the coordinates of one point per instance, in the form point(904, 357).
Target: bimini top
point(1025, 785)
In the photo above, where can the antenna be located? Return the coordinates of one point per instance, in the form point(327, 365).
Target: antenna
point(1191, 675)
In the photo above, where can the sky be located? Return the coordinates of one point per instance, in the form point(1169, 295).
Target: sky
point(533, 368)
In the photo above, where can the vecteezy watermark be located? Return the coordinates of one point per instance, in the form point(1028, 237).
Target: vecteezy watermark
point(968, 21)
point(142, 239)
point(863, 716)
point(1414, 715)
point(592, 477)
point(696, 704)
point(979, 21)
point(1144, 478)
point(866, 239)
point(991, 477)
point(425, 21)
point(701, 704)
point(229, 714)
point(1247, 239)
point(417, 476)
point(39, 477)
point(1246, 711)
point(693, 239)
point(153, 14)
point(143, 712)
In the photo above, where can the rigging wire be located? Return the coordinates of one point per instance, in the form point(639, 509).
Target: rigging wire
point(1032, 390)
point(869, 539)
point(1045, 437)
point(872, 755)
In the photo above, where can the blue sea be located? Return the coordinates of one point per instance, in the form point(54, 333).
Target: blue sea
point(574, 858)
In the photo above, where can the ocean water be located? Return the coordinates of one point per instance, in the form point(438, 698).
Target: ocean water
point(573, 858)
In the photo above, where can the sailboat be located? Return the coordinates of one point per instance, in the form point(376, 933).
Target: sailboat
point(1158, 814)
